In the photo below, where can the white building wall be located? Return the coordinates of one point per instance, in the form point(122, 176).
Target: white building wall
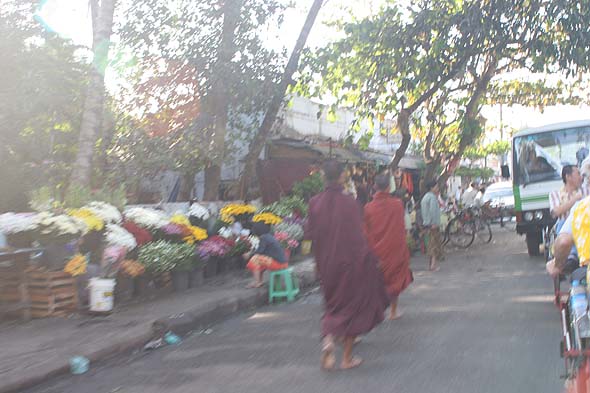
point(302, 116)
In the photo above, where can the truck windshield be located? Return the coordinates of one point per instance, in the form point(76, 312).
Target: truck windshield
point(540, 157)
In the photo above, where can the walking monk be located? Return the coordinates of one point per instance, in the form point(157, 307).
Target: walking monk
point(386, 232)
point(354, 295)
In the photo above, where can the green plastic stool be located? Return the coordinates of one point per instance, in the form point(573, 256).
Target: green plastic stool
point(282, 283)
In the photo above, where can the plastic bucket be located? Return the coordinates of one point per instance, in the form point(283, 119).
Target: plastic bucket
point(101, 294)
point(306, 247)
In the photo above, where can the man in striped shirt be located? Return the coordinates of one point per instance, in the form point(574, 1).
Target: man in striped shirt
point(562, 200)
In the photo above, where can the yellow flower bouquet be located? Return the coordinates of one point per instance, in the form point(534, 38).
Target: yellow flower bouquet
point(267, 218)
point(132, 268)
point(92, 221)
point(196, 235)
point(229, 212)
point(180, 219)
point(76, 266)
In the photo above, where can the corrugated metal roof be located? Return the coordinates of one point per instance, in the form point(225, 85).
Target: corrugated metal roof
point(351, 154)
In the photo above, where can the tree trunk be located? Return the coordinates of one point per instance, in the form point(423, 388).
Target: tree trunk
point(187, 184)
point(403, 124)
point(220, 97)
point(106, 138)
point(259, 140)
point(102, 25)
point(471, 112)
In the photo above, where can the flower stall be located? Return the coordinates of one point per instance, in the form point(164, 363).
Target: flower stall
point(142, 251)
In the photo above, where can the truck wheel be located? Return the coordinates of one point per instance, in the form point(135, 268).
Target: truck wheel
point(533, 239)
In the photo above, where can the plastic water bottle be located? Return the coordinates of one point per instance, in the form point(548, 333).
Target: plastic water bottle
point(579, 301)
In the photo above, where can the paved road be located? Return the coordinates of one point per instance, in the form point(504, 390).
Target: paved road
point(484, 323)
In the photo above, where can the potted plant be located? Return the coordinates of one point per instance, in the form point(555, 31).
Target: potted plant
point(308, 187)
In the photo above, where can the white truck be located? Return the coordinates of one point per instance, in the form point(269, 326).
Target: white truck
point(538, 155)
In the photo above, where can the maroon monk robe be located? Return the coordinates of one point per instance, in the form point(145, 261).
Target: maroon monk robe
point(386, 231)
point(352, 285)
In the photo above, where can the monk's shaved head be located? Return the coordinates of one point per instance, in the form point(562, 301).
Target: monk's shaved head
point(332, 170)
point(382, 182)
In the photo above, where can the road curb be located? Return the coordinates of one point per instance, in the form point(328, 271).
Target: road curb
point(199, 318)
point(209, 314)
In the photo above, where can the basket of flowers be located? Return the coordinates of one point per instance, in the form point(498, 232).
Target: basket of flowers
point(212, 252)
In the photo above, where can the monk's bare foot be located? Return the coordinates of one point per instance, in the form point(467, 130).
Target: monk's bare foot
point(255, 285)
point(357, 340)
point(328, 359)
point(398, 314)
point(351, 363)
point(434, 268)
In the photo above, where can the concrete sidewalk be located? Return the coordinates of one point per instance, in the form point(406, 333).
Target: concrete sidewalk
point(34, 352)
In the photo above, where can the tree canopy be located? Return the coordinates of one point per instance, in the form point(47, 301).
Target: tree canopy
point(430, 66)
point(42, 83)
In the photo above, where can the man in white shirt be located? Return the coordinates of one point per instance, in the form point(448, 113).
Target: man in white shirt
point(468, 198)
point(562, 200)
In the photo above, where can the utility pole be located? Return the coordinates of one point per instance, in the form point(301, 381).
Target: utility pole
point(502, 133)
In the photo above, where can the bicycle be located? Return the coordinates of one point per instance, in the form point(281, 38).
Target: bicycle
point(483, 229)
point(460, 230)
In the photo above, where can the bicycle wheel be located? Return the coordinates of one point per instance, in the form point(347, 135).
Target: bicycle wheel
point(483, 230)
point(460, 233)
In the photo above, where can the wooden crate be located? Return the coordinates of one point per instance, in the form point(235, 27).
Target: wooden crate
point(10, 281)
point(51, 293)
point(14, 299)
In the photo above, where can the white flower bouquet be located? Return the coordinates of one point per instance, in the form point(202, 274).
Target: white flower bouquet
point(60, 228)
point(225, 232)
point(199, 211)
point(147, 218)
point(106, 212)
point(12, 223)
point(118, 236)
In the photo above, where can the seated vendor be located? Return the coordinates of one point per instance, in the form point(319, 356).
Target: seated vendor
point(268, 256)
